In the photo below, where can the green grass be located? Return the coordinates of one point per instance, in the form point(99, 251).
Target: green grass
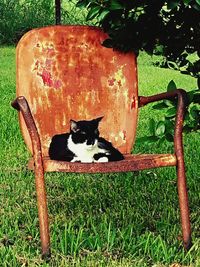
point(96, 220)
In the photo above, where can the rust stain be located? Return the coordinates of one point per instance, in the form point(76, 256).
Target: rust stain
point(118, 78)
point(74, 77)
point(119, 83)
point(111, 82)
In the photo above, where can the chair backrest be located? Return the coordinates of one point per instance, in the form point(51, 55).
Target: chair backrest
point(65, 73)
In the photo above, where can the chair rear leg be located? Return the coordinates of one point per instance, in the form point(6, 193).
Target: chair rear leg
point(183, 203)
point(42, 211)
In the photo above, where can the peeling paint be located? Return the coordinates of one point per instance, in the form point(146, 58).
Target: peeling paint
point(76, 77)
point(122, 135)
point(118, 78)
point(43, 68)
point(125, 95)
point(45, 47)
point(111, 82)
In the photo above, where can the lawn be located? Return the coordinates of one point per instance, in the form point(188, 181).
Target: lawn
point(97, 220)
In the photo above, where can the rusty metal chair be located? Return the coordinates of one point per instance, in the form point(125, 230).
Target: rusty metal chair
point(64, 72)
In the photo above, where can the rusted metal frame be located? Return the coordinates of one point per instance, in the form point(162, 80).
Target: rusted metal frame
point(181, 95)
point(21, 104)
point(130, 163)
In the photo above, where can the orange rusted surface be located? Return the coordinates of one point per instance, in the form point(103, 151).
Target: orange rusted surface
point(65, 73)
point(130, 163)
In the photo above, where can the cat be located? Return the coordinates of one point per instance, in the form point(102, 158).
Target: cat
point(83, 144)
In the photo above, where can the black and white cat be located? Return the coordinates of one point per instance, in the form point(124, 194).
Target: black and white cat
point(83, 144)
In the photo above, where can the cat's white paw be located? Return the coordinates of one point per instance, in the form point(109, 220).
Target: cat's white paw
point(75, 159)
point(103, 159)
point(87, 160)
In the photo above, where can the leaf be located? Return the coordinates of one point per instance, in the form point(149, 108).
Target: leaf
point(192, 124)
point(160, 129)
point(194, 96)
point(186, 2)
point(159, 49)
point(171, 86)
point(161, 140)
point(81, 3)
point(169, 137)
point(152, 126)
point(169, 126)
point(168, 103)
point(172, 65)
point(196, 6)
point(115, 4)
point(103, 14)
point(93, 12)
point(172, 4)
point(171, 112)
point(195, 112)
point(159, 106)
point(198, 2)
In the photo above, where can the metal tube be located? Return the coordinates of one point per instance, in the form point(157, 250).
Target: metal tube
point(21, 104)
point(178, 148)
point(58, 11)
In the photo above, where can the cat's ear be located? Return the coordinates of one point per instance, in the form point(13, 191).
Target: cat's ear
point(97, 120)
point(74, 126)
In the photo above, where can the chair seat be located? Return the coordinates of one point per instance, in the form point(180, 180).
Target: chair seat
point(130, 163)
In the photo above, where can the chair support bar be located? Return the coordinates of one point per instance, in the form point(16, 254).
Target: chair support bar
point(21, 104)
point(181, 95)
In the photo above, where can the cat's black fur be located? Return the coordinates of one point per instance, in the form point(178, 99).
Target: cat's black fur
point(83, 134)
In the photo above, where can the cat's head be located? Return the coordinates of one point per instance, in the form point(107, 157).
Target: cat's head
point(85, 132)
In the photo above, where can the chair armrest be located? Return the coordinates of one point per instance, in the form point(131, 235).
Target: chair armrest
point(181, 95)
point(21, 104)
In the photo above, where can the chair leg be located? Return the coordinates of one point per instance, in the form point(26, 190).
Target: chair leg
point(183, 203)
point(42, 211)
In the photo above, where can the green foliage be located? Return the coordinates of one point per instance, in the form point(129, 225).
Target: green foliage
point(168, 28)
point(17, 17)
point(20, 16)
point(164, 129)
point(153, 23)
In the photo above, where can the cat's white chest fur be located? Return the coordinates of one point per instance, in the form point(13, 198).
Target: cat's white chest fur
point(85, 153)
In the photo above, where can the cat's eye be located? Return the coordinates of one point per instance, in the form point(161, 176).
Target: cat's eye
point(84, 133)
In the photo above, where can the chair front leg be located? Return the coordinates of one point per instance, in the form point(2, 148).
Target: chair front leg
point(42, 208)
point(21, 105)
point(178, 148)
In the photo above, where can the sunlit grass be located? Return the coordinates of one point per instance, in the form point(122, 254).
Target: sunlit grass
point(96, 220)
